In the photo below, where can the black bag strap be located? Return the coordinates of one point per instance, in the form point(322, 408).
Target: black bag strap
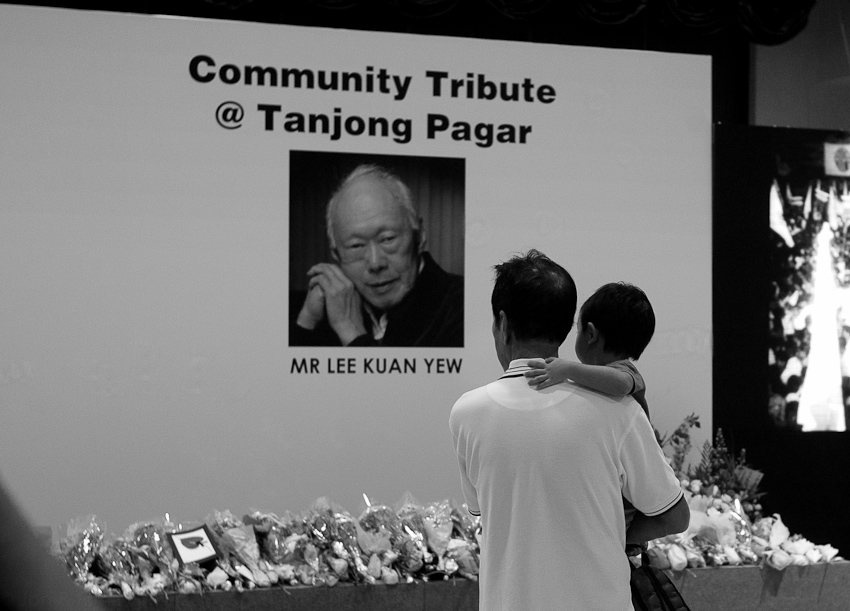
point(653, 590)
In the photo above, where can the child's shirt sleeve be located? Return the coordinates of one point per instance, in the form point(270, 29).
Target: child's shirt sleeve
point(628, 367)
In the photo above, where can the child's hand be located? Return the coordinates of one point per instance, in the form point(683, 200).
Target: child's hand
point(539, 376)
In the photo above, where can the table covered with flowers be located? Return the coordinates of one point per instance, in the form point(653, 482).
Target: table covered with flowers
point(417, 557)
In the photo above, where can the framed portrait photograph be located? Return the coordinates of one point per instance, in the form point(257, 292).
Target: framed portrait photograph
point(386, 231)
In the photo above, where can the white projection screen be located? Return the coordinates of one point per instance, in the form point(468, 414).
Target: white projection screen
point(162, 192)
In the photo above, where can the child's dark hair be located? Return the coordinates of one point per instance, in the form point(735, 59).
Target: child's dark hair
point(622, 314)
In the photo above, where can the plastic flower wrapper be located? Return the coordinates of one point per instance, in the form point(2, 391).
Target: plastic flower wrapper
point(295, 556)
point(464, 559)
point(716, 529)
point(347, 547)
point(321, 522)
point(152, 554)
point(121, 569)
point(240, 542)
point(410, 512)
point(714, 555)
point(188, 583)
point(779, 533)
point(759, 546)
point(772, 530)
point(746, 553)
point(220, 521)
point(376, 527)
point(466, 526)
point(409, 550)
point(80, 545)
point(438, 526)
point(270, 531)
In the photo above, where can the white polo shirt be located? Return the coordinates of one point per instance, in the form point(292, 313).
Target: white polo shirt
point(547, 469)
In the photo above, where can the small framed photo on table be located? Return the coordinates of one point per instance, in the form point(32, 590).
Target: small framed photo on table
point(196, 545)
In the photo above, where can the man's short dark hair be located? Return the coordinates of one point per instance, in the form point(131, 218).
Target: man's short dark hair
point(537, 295)
point(622, 314)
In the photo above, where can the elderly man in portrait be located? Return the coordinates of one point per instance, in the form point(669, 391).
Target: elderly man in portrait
point(382, 288)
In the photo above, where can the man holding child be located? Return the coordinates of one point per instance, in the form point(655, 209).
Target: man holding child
point(547, 469)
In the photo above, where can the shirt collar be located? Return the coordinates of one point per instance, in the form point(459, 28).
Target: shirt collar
point(516, 368)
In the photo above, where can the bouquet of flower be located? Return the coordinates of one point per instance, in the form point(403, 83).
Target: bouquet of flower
point(727, 526)
point(377, 527)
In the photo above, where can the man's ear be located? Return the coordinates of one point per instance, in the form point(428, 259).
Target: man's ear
point(421, 238)
point(504, 326)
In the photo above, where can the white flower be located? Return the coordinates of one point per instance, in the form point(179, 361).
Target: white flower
point(779, 533)
point(731, 555)
point(217, 577)
point(799, 560)
point(389, 576)
point(696, 486)
point(699, 503)
point(827, 552)
point(778, 559)
point(797, 546)
point(677, 557)
point(695, 559)
point(814, 556)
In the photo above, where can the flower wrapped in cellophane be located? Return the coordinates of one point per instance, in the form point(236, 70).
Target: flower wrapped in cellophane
point(79, 548)
point(240, 545)
point(411, 544)
point(439, 525)
point(151, 555)
point(334, 533)
point(466, 530)
point(377, 527)
point(726, 525)
point(117, 567)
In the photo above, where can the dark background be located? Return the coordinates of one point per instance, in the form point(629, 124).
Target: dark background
point(807, 475)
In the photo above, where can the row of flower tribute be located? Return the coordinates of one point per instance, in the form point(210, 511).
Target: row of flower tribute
point(410, 542)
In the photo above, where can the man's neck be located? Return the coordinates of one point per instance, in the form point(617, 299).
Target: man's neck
point(532, 350)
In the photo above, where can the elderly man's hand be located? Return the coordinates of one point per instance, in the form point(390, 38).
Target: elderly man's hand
point(332, 294)
point(313, 310)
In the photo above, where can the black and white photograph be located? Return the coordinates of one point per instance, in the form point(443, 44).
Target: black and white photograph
point(376, 250)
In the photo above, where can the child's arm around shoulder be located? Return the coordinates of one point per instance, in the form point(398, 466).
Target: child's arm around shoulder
point(601, 378)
